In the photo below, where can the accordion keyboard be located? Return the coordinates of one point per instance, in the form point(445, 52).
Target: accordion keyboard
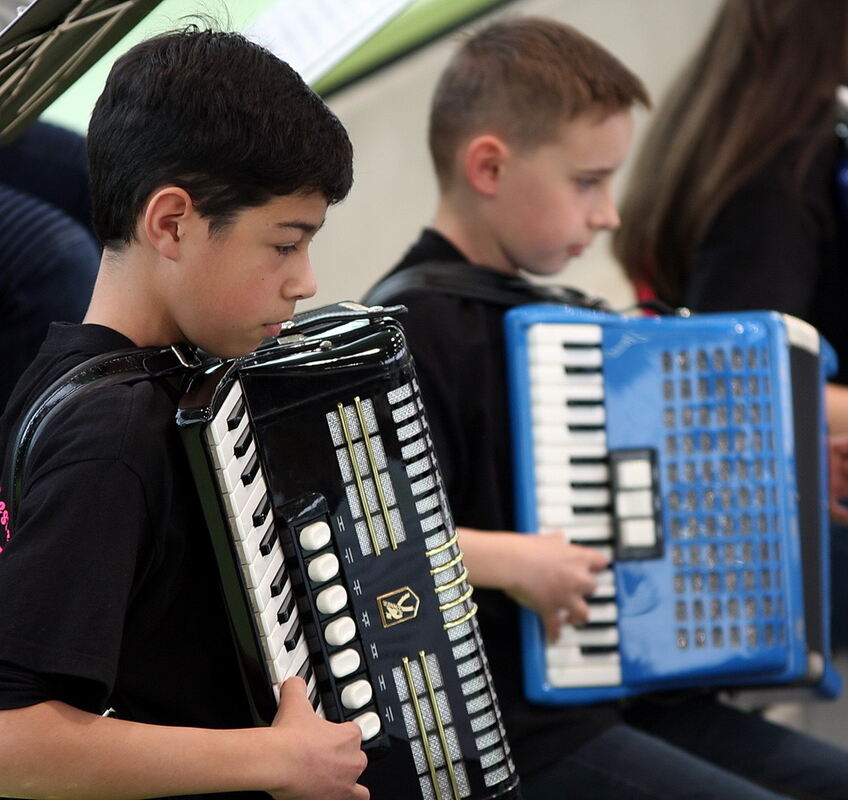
point(573, 491)
point(262, 561)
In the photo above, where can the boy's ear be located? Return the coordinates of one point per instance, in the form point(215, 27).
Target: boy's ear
point(168, 211)
point(484, 159)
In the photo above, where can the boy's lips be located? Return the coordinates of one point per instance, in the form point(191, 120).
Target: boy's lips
point(273, 328)
point(575, 250)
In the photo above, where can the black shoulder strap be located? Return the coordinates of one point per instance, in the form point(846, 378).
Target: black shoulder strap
point(467, 280)
point(121, 366)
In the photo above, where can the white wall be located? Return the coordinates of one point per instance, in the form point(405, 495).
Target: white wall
point(394, 191)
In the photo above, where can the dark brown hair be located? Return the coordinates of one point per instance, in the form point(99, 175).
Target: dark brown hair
point(522, 78)
point(760, 86)
point(219, 116)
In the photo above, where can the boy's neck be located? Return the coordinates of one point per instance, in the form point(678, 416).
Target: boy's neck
point(124, 300)
point(470, 235)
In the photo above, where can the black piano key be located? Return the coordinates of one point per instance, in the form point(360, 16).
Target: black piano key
point(236, 415)
point(243, 442)
point(305, 671)
point(315, 698)
point(261, 510)
point(268, 541)
point(294, 637)
point(279, 581)
point(598, 649)
point(250, 470)
point(286, 609)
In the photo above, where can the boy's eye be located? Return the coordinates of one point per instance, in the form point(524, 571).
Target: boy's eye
point(587, 183)
point(286, 249)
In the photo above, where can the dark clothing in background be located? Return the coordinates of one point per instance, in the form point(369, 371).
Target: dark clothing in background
point(48, 253)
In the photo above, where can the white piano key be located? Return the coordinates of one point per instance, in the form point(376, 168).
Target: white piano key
point(260, 569)
point(218, 427)
point(603, 612)
point(369, 724)
point(340, 631)
point(588, 534)
point(566, 356)
point(229, 474)
point(242, 500)
point(564, 473)
point(634, 503)
point(551, 384)
point(296, 659)
point(571, 332)
point(569, 636)
point(544, 453)
point(563, 517)
point(559, 656)
point(224, 450)
point(240, 506)
point(564, 415)
point(315, 536)
point(248, 547)
point(548, 495)
point(322, 568)
point(558, 435)
point(606, 584)
point(356, 694)
point(345, 662)
point(585, 676)
point(261, 594)
point(331, 599)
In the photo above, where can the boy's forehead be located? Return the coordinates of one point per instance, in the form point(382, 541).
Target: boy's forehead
point(597, 140)
point(301, 211)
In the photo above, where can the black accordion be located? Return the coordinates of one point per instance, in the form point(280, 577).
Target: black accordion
point(337, 553)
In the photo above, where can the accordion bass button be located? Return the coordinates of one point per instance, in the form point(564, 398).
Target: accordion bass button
point(331, 600)
point(369, 724)
point(345, 662)
point(315, 536)
point(357, 694)
point(323, 568)
point(340, 631)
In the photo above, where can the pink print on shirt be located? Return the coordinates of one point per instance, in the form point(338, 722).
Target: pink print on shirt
point(5, 525)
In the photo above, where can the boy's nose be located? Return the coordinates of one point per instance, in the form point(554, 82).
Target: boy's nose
point(303, 285)
point(605, 215)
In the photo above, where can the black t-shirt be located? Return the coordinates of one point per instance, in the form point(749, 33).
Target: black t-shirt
point(459, 353)
point(108, 588)
point(775, 247)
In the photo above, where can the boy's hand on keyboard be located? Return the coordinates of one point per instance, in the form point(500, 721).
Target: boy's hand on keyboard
point(316, 759)
point(552, 576)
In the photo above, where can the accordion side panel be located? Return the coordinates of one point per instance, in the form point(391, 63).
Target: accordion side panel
point(380, 616)
point(670, 445)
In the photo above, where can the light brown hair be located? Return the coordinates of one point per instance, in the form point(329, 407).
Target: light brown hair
point(521, 79)
point(760, 87)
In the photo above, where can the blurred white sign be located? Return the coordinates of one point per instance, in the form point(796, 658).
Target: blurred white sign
point(312, 36)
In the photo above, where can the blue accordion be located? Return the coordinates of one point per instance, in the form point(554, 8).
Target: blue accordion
point(691, 450)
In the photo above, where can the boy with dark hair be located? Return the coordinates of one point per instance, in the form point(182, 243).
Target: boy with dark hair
point(529, 123)
point(212, 167)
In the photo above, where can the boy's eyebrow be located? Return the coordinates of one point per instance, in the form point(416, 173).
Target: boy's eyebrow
point(306, 227)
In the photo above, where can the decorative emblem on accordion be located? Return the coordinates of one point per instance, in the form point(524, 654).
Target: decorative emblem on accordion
point(331, 529)
point(398, 606)
point(690, 450)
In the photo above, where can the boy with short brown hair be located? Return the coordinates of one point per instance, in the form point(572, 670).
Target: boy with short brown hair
point(529, 123)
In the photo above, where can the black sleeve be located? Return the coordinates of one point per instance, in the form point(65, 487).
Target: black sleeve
point(66, 577)
point(21, 687)
point(762, 252)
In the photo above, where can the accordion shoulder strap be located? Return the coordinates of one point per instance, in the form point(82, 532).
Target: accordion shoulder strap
point(121, 366)
point(462, 279)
